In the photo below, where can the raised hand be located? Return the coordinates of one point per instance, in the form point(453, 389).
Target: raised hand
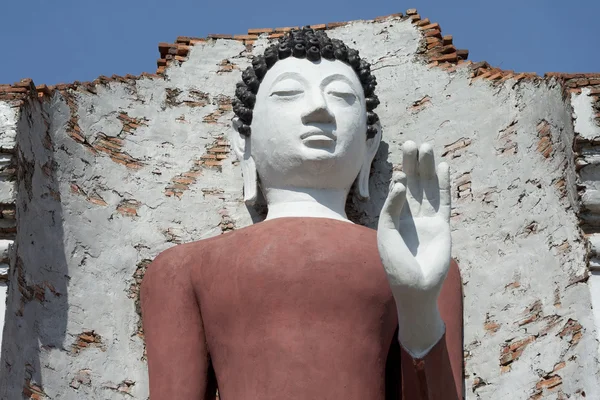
point(414, 242)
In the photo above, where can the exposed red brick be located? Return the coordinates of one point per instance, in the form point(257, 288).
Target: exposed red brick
point(226, 66)
point(33, 391)
point(227, 223)
point(219, 150)
point(572, 331)
point(532, 313)
point(491, 326)
point(332, 25)
point(129, 208)
point(477, 383)
point(463, 184)
point(91, 197)
point(513, 350)
point(559, 366)
point(83, 377)
point(130, 124)
point(85, 340)
point(259, 31)
point(420, 104)
point(245, 37)
point(453, 148)
point(183, 50)
point(112, 146)
point(549, 382)
point(123, 387)
point(219, 36)
point(197, 40)
point(428, 25)
point(378, 19)
point(285, 29)
point(134, 294)
point(572, 76)
point(433, 33)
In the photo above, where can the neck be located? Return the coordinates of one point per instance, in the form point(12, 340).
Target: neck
point(302, 202)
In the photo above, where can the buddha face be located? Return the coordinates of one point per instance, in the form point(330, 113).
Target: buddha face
point(309, 125)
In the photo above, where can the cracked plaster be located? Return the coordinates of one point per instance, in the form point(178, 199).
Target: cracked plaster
point(515, 233)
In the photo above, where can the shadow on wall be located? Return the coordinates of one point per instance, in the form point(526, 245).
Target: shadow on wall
point(37, 302)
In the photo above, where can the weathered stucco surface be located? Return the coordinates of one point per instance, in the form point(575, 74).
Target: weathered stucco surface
point(8, 132)
point(109, 179)
point(588, 133)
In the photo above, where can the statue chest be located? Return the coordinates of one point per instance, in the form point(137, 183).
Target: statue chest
point(311, 278)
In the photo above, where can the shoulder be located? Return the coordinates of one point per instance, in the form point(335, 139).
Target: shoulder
point(175, 263)
point(171, 267)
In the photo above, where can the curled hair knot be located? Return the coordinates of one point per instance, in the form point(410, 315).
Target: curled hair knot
point(371, 132)
point(299, 50)
point(313, 53)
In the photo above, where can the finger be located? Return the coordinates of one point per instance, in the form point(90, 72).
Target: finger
point(390, 213)
point(429, 183)
point(410, 162)
point(398, 177)
point(443, 174)
point(410, 158)
point(426, 162)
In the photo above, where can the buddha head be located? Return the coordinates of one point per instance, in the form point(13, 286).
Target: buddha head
point(304, 117)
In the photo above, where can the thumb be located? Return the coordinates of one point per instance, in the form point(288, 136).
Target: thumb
point(390, 213)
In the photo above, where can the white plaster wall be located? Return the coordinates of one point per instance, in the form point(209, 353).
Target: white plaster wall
point(589, 162)
point(8, 124)
point(8, 130)
point(595, 291)
point(515, 232)
point(3, 290)
point(584, 115)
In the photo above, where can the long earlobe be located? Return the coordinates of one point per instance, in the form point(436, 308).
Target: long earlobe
point(242, 148)
point(250, 181)
point(363, 183)
point(365, 171)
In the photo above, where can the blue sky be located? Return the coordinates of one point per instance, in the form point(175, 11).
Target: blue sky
point(60, 41)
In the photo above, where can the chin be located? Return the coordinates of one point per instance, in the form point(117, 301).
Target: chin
point(319, 153)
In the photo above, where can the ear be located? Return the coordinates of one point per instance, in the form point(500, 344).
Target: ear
point(365, 170)
point(241, 147)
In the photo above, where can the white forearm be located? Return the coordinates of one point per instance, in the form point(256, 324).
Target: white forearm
point(420, 327)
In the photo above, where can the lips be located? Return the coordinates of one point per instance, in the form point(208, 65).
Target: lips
point(318, 135)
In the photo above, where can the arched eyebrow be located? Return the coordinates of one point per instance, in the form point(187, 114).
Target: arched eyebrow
point(287, 75)
point(334, 77)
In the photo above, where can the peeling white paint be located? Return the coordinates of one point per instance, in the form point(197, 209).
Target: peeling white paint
point(515, 232)
point(583, 115)
point(8, 130)
point(8, 124)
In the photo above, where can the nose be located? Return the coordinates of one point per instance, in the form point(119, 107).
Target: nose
point(316, 109)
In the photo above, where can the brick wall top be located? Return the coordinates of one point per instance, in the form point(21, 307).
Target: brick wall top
point(436, 49)
point(18, 92)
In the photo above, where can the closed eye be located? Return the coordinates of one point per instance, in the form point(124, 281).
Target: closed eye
point(347, 96)
point(287, 93)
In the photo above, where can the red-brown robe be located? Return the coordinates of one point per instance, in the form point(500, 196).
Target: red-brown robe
point(290, 308)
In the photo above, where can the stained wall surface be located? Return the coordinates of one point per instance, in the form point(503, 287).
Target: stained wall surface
point(8, 130)
point(111, 176)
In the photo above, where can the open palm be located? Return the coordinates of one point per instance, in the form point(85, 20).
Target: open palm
point(414, 242)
